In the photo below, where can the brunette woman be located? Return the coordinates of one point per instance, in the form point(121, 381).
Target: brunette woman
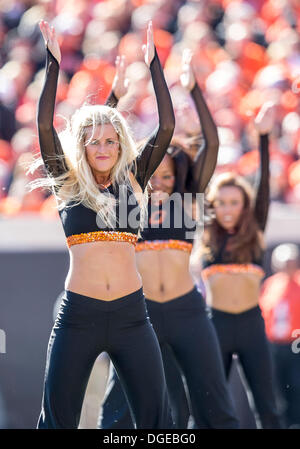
point(232, 255)
point(176, 308)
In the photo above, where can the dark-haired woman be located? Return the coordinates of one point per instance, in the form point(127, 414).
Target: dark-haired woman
point(175, 306)
point(232, 269)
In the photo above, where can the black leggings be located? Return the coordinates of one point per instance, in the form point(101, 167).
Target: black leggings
point(244, 334)
point(83, 329)
point(114, 411)
point(183, 325)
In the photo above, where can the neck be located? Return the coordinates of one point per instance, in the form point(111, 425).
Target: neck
point(102, 178)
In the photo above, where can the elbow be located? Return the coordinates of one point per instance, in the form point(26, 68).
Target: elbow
point(43, 126)
point(168, 126)
point(214, 143)
point(212, 147)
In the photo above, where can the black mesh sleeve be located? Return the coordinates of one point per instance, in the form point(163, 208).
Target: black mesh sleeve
point(206, 158)
point(50, 145)
point(262, 201)
point(157, 145)
point(112, 100)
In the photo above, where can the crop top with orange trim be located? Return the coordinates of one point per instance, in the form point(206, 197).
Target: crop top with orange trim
point(169, 227)
point(79, 222)
point(174, 227)
point(219, 263)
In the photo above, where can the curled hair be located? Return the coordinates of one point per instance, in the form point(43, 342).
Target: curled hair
point(77, 184)
point(247, 242)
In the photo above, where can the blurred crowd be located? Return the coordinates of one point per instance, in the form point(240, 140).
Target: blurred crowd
point(245, 53)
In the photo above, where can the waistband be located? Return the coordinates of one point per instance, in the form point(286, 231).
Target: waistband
point(97, 236)
point(106, 306)
point(232, 268)
point(193, 295)
point(158, 245)
point(236, 316)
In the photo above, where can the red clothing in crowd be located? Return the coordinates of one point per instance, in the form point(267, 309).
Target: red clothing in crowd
point(280, 304)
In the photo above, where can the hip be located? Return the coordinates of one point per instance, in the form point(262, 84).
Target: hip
point(77, 310)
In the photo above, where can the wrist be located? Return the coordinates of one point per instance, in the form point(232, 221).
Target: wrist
point(155, 56)
point(114, 94)
point(57, 59)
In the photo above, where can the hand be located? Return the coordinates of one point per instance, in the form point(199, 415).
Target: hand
point(50, 39)
point(120, 83)
point(187, 77)
point(264, 121)
point(149, 49)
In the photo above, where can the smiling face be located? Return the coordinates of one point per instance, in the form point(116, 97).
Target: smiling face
point(163, 179)
point(228, 206)
point(102, 148)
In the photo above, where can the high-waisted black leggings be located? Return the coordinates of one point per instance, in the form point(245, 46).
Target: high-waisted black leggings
point(244, 334)
point(183, 325)
point(83, 329)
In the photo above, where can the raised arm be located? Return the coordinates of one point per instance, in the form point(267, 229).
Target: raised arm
point(50, 145)
point(263, 122)
point(112, 100)
point(157, 145)
point(120, 83)
point(262, 199)
point(206, 159)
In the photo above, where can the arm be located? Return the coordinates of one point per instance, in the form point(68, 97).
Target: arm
point(262, 200)
point(50, 146)
point(120, 83)
point(264, 123)
point(157, 145)
point(112, 100)
point(206, 158)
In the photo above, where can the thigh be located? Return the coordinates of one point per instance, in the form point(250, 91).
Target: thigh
point(70, 358)
point(197, 350)
point(176, 389)
point(139, 365)
point(224, 328)
point(255, 358)
point(114, 411)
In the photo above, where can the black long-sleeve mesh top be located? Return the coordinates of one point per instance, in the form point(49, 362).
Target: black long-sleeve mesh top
point(261, 208)
point(79, 222)
point(174, 227)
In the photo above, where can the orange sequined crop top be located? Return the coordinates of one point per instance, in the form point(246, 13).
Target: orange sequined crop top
point(158, 245)
point(218, 264)
point(169, 227)
point(236, 268)
point(82, 225)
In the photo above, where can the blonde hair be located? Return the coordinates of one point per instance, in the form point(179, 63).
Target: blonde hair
point(78, 185)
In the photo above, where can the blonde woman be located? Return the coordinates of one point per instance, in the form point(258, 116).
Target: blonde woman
point(100, 182)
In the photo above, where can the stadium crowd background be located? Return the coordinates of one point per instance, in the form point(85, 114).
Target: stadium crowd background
point(245, 52)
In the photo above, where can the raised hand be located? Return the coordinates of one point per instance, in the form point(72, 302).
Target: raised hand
point(187, 77)
point(50, 39)
point(264, 121)
point(120, 82)
point(149, 49)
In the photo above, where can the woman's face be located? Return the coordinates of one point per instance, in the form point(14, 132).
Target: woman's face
point(228, 206)
point(163, 179)
point(102, 148)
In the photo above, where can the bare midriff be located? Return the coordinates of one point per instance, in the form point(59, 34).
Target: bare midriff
point(233, 292)
point(165, 273)
point(103, 270)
